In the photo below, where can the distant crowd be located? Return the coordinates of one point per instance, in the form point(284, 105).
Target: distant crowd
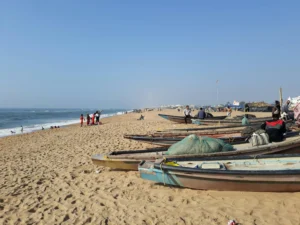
point(91, 119)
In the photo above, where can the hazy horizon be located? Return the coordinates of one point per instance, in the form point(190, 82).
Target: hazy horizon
point(140, 54)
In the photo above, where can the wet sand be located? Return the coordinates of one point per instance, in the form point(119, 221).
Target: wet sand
point(47, 177)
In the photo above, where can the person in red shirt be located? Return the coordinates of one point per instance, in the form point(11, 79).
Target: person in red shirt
point(275, 128)
point(93, 118)
point(81, 120)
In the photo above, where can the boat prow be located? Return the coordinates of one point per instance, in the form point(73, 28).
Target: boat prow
point(118, 164)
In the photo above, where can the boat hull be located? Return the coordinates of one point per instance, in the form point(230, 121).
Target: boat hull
point(224, 180)
point(182, 119)
point(233, 138)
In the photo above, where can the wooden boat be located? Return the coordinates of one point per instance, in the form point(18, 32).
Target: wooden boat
point(215, 133)
point(181, 119)
point(205, 128)
point(289, 124)
point(271, 173)
point(250, 116)
point(129, 160)
point(233, 138)
point(225, 121)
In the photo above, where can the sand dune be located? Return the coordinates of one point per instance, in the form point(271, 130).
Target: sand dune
point(47, 177)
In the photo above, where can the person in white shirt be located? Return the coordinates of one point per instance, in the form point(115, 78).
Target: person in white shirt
point(97, 116)
point(187, 113)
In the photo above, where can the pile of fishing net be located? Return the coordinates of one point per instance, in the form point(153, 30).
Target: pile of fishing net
point(198, 145)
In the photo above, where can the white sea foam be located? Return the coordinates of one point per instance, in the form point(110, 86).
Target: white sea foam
point(36, 127)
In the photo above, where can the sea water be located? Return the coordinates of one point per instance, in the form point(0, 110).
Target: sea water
point(36, 119)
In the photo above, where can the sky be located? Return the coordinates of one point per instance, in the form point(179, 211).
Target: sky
point(134, 54)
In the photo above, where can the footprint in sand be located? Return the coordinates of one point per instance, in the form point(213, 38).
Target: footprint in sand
point(68, 196)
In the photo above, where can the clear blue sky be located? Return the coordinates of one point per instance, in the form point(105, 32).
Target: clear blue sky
point(145, 53)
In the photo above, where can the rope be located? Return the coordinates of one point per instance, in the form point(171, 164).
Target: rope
point(163, 174)
point(230, 140)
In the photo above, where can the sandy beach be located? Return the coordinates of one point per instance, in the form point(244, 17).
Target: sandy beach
point(47, 177)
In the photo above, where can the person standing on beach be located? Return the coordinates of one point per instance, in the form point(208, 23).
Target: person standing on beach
point(97, 117)
point(187, 113)
point(285, 108)
point(247, 109)
point(88, 118)
point(93, 119)
point(276, 110)
point(81, 120)
point(22, 129)
point(286, 114)
point(229, 111)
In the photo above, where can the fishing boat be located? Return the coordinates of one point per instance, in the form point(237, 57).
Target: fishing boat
point(213, 133)
point(250, 116)
point(205, 128)
point(266, 173)
point(232, 138)
point(182, 119)
point(129, 160)
point(225, 121)
point(289, 123)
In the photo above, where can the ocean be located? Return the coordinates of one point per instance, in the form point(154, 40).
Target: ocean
point(34, 119)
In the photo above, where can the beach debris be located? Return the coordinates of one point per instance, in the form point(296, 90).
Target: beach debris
point(231, 222)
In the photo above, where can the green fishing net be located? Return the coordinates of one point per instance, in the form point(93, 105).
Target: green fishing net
point(198, 145)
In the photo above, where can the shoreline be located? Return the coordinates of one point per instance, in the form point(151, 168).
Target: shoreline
point(5, 132)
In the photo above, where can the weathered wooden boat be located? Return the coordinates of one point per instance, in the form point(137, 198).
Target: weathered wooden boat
point(205, 128)
point(129, 160)
point(181, 119)
point(233, 138)
point(289, 124)
point(228, 120)
point(250, 116)
point(266, 173)
point(214, 133)
point(225, 121)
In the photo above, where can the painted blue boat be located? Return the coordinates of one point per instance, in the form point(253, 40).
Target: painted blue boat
point(267, 173)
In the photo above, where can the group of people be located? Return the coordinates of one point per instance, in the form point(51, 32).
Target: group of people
point(13, 132)
point(93, 119)
point(276, 127)
point(284, 111)
point(201, 113)
point(52, 127)
point(187, 112)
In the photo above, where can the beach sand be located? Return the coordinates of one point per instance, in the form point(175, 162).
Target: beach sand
point(47, 177)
